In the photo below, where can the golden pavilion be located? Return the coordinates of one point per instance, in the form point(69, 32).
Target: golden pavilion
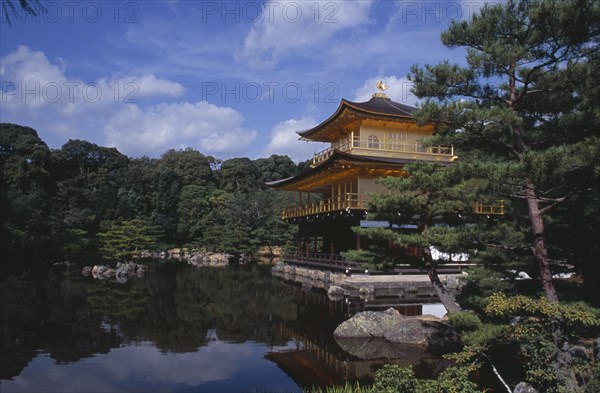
point(368, 140)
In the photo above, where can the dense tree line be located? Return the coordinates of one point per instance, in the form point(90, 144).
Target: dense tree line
point(76, 200)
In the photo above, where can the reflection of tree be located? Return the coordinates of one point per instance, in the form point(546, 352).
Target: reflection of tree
point(238, 302)
point(108, 298)
point(173, 305)
point(47, 314)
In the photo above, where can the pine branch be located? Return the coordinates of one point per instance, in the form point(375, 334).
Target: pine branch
point(506, 247)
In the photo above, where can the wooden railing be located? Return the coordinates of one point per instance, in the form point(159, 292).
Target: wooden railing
point(351, 201)
point(387, 148)
point(332, 261)
point(338, 203)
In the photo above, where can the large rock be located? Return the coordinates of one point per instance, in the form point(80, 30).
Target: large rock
point(394, 327)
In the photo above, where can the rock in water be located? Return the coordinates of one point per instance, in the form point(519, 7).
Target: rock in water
point(394, 327)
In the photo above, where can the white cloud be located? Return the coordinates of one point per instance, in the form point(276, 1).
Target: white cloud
point(30, 82)
point(284, 140)
point(149, 85)
point(114, 110)
point(207, 127)
point(399, 89)
point(292, 26)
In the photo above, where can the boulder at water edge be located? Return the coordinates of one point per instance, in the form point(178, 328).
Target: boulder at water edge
point(397, 328)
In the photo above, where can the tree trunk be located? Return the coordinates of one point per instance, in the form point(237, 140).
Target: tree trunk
point(540, 248)
point(446, 297)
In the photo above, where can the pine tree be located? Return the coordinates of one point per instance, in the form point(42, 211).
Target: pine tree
point(527, 99)
point(434, 200)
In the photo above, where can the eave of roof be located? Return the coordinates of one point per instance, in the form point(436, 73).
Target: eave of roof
point(335, 157)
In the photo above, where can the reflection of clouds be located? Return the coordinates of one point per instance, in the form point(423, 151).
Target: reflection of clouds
point(143, 367)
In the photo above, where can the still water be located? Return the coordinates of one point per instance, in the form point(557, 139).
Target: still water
point(178, 328)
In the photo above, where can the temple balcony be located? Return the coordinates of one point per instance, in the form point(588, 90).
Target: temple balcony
point(354, 201)
point(374, 147)
point(348, 201)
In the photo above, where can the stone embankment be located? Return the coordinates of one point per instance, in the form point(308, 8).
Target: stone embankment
point(209, 259)
point(191, 256)
point(308, 277)
point(405, 288)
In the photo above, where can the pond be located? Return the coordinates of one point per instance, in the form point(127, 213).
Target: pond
point(178, 328)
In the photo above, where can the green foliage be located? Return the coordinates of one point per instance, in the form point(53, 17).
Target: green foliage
point(346, 388)
point(482, 281)
point(121, 240)
point(541, 329)
point(524, 111)
point(82, 199)
point(573, 316)
point(394, 379)
point(464, 321)
point(451, 380)
point(26, 189)
point(483, 337)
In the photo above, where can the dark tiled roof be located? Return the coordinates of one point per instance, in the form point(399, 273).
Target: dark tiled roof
point(377, 106)
point(383, 106)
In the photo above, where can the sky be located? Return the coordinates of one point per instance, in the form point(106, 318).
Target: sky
point(227, 78)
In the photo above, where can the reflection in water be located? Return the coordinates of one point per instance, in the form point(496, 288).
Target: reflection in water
point(216, 367)
point(178, 328)
point(319, 359)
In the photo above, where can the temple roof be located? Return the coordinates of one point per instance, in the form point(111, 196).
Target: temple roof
point(377, 107)
point(338, 158)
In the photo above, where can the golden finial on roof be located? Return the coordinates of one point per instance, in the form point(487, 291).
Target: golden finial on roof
point(381, 87)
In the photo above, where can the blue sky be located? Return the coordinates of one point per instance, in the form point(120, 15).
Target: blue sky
point(228, 78)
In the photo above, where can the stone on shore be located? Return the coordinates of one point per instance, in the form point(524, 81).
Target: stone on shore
point(122, 272)
point(335, 293)
point(394, 327)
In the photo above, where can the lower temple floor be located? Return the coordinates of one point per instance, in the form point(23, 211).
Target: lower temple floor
point(322, 241)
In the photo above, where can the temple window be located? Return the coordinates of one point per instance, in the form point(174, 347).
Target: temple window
point(373, 142)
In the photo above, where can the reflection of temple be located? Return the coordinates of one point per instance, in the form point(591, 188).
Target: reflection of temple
point(368, 140)
point(320, 360)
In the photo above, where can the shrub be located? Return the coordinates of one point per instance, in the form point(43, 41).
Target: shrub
point(464, 321)
point(394, 379)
